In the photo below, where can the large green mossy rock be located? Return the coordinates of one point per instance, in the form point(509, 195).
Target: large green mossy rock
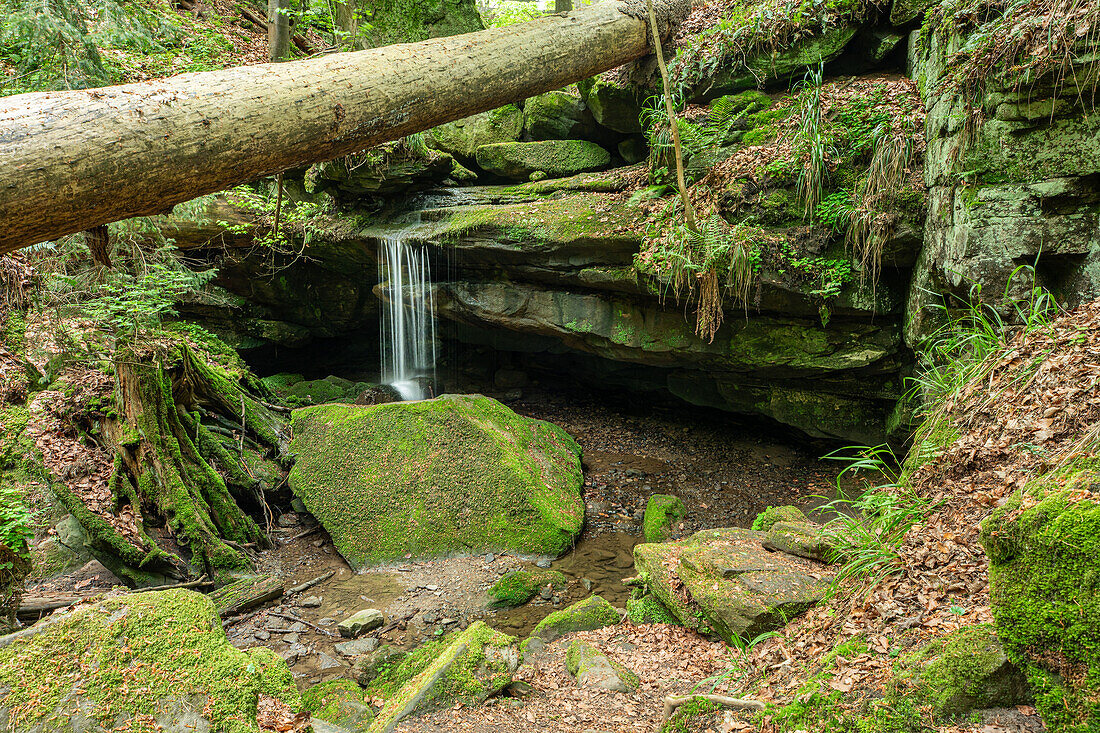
point(554, 116)
point(1044, 573)
point(158, 657)
point(615, 106)
point(465, 667)
point(734, 587)
point(964, 671)
point(593, 669)
point(462, 138)
point(454, 475)
point(555, 158)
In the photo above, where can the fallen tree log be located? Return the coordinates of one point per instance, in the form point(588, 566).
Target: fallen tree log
point(73, 160)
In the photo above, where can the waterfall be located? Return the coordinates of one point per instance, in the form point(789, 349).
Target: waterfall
point(407, 331)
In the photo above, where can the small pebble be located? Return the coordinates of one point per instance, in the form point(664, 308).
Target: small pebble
point(263, 635)
point(544, 563)
point(489, 558)
point(317, 543)
point(292, 638)
point(311, 602)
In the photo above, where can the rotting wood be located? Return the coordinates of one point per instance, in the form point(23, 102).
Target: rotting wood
point(310, 583)
point(674, 701)
point(73, 160)
point(244, 595)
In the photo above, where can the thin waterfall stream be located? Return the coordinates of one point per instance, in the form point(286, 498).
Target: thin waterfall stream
point(407, 327)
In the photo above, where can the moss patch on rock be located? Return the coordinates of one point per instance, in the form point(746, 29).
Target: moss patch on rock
point(765, 519)
point(662, 513)
point(555, 158)
point(340, 702)
point(519, 586)
point(648, 610)
point(453, 475)
point(468, 666)
point(138, 659)
point(592, 613)
point(1044, 572)
point(723, 582)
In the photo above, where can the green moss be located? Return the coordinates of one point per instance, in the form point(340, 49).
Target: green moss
point(132, 657)
point(456, 474)
point(688, 716)
point(555, 158)
point(580, 655)
point(519, 586)
point(1044, 571)
point(338, 701)
point(649, 610)
point(767, 518)
point(591, 613)
point(467, 666)
point(662, 513)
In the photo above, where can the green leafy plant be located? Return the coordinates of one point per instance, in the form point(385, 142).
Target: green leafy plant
point(16, 521)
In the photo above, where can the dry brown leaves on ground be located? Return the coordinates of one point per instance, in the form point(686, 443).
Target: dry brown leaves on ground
point(275, 715)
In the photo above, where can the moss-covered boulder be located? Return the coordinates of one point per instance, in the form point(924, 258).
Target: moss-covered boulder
point(462, 138)
point(615, 106)
point(456, 474)
point(592, 668)
point(370, 665)
point(767, 518)
point(804, 539)
point(662, 513)
point(554, 116)
point(555, 158)
point(340, 702)
point(965, 671)
point(1044, 573)
point(467, 667)
point(592, 613)
point(150, 661)
point(519, 586)
point(723, 582)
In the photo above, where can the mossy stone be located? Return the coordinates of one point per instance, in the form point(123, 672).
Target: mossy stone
point(649, 610)
point(765, 519)
point(804, 539)
point(454, 475)
point(555, 158)
point(735, 586)
point(1044, 573)
point(519, 586)
point(462, 138)
point(592, 613)
point(340, 702)
point(614, 106)
point(554, 116)
point(158, 656)
point(594, 669)
point(467, 667)
point(662, 513)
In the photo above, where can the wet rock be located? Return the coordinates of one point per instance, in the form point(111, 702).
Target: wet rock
point(593, 669)
point(487, 478)
point(292, 638)
point(737, 587)
point(324, 661)
point(289, 519)
point(543, 563)
point(360, 623)
point(546, 593)
point(489, 558)
point(469, 666)
point(366, 668)
point(591, 613)
point(662, 514)
point(311, 602)
point(262, 635)
point(356, 648)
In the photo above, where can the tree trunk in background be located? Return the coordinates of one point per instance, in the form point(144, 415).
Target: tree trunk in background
point(563, 6)
point(278, 30)
point(99, 244)
point(73, 160)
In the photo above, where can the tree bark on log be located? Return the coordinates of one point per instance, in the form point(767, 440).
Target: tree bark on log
point(73, 160)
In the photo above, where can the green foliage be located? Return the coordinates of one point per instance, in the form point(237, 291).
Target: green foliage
point(16, 521)
point(131, 305)
point(766, 519)
point(811, 142)
point(867, 531)
point(509, 12)
point(834, 211)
